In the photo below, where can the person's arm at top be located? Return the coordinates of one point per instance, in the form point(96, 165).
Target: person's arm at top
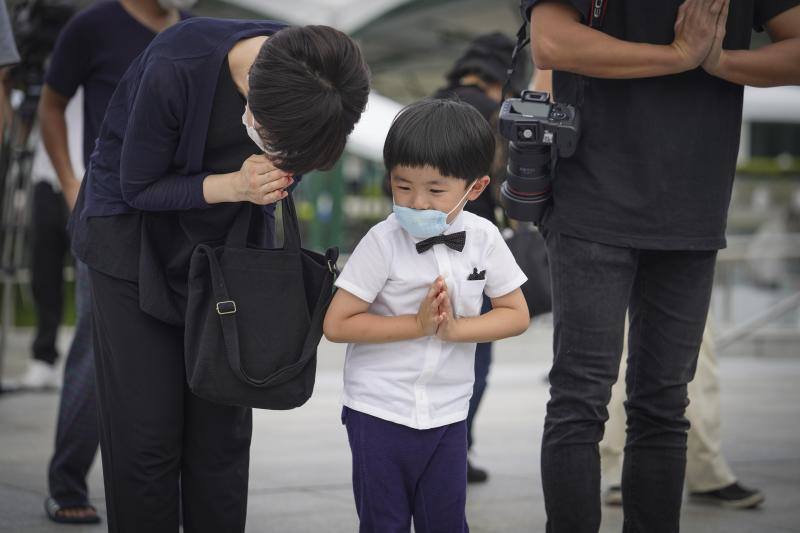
point(53, 128)
point(775, 64)
point(151, 138)
point(68, 69)
point(348, 319)
point(561, 41)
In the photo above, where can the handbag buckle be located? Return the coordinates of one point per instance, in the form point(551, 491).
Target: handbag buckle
point(332, 267)
point(228, 307)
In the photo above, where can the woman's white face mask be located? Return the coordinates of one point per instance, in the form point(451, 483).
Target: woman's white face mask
point(249, 123)
point(251, 130)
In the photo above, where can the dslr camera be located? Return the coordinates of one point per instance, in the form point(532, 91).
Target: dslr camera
point(539, 132)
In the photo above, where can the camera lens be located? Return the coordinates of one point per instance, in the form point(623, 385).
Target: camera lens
point(526, 192)
point(528, 162)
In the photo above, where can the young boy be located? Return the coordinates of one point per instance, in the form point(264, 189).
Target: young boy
point(408, 303)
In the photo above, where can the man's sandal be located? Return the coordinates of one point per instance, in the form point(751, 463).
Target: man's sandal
point(56, 513)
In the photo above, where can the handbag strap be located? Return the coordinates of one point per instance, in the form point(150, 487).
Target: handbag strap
point(237, 236)
point(226, 309)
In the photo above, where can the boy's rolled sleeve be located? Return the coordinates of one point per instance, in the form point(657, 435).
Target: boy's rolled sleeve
point(367, 269)
point(503, 274)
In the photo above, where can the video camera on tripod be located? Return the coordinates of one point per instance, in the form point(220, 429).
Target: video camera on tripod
point(37, 24)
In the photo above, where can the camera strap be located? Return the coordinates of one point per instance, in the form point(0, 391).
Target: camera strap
point(523, 38)
point(598, 13)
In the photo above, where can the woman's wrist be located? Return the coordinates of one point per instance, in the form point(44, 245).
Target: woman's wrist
point(219, 188)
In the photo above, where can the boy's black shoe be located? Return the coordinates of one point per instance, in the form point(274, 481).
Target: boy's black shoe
point(733, 496)
point(476, 475)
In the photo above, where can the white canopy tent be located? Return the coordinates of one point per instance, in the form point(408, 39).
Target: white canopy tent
point(370, 132)
point(346, 15)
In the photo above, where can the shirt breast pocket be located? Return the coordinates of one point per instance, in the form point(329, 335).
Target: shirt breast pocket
point(470, 297)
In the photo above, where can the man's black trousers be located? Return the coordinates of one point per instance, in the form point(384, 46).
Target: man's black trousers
point(667, 296)
point(154, 433)
point(50, 244)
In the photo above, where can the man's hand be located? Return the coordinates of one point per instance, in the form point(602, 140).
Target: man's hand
point(429, 316)
point(695, 29)
point(70, 189)
point(713, 61)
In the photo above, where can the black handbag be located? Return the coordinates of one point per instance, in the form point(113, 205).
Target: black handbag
point(529, 250)
point(254, 317)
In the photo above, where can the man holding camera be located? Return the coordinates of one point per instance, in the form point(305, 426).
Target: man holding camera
point(638, 214)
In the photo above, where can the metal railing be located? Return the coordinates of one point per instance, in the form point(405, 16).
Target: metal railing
point(738, 267)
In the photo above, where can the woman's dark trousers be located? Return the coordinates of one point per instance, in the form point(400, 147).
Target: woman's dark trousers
point(667, 294)
point(154, 433)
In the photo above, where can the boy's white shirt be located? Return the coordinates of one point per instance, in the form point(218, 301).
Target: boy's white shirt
point(421, 383)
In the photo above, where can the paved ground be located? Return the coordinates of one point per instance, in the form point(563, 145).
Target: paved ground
point(300, 459)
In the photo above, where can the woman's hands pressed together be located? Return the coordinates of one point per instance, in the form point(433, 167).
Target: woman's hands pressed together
point(258, 182)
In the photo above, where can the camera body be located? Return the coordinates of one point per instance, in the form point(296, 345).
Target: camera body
point(539, 132)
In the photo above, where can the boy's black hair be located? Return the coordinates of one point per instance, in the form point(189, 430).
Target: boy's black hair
point(308, 88)
point(448, 135)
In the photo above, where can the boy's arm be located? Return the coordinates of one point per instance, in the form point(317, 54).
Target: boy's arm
point(349, 320)
point(508, 318)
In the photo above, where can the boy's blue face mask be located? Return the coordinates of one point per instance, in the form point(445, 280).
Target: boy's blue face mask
point(425, 223)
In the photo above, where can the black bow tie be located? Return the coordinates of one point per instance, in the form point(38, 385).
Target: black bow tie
point(454, 240)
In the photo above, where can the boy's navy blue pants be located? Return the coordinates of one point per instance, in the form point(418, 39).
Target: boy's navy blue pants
point(400, 472)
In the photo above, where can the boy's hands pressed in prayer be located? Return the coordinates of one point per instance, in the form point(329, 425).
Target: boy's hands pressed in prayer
point(447, 319)
point(429, 316)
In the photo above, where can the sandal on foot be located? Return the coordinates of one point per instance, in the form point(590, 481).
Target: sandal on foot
point(56, 513)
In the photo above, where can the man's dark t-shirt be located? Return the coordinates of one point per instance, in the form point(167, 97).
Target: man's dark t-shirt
point(655, 164)
point(94, 50)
